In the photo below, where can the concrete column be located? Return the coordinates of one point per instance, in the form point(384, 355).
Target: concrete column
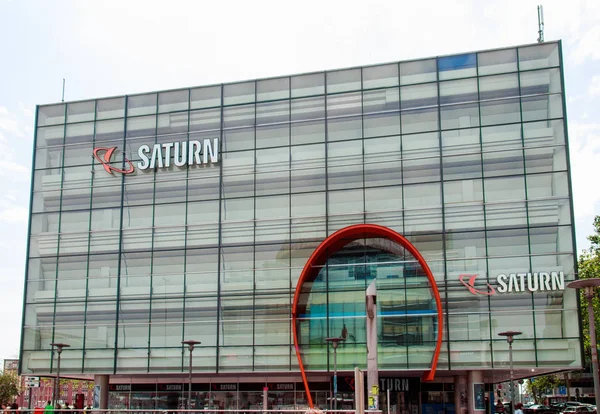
point(101, 386)
point(474, 377)
point(460, 389)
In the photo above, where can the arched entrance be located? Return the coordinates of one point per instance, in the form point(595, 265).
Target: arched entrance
point(335, 243)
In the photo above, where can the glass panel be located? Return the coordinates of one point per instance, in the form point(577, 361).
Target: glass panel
point(308, 108)
point(544, 133)
point(504, 189)
point(272, 112)
point(539, 56)
point(110, 108)
point(419, 71)
point(51, 136)
point(207, 97)
point(344, 104)
point(498, 61)
point(500, 112)
point(419, 120)
point(238, 116)
point(501, 137)
point(173, 101)
point(502, 163)
point(205, 120)
point(238, 93)
point(457, 66)
point(81, 111)
point(308, 132)
point(51, 115)
point(271, 89)
point(458, 91)
point(343, 80)
point(419, 96)
point(381, 100)
point(306, 85)
point(501, 86)
point(342, 129)
point(272, 136)
point(459, 116)
point(540, 81)
point(380, 76)
point(141, 104)
point(541, 107)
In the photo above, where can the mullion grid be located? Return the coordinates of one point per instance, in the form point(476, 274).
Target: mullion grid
point(327, 215)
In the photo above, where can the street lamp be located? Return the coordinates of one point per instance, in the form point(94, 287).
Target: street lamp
point(190, 343)
point(509, 338)
point(589, 285)
point(334, 342)
point(59, 348)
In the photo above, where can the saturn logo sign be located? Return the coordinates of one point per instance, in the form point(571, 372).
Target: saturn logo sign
point(471, 285)
point(105, 154)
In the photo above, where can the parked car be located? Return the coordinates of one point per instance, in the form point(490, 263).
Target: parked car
point(579, 409)
point(539, 409)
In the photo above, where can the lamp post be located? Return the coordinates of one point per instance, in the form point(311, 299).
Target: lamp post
point(59, 348)
point(190, 343)
point(509, 338)
point(334, 342)
point(589, 285)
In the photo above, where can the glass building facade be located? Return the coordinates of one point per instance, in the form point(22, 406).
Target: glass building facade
point(466, 156)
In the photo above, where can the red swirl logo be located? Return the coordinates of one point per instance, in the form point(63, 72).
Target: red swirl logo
point(105, 160)
point(471, 286)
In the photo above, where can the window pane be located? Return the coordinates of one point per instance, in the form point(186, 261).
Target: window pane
point(173, 101)
point(343, 80)
point(270, 89)
point(501, 86)
point(306, 85)
point(458, 66)
point(238, 93)
point(419, 71)
point(538, 56)
point(380, 76)
point(81, 111)
point(498, 61)
point(110, 108)
point(141, 104)
point(205, 97)
point(51, 115)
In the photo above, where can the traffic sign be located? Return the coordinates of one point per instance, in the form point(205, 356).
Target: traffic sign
point(30, 379)
point(32, 384)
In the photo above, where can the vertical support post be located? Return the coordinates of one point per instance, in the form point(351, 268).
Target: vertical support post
point(189, 404)
point(372, 368)
point(512, 381)
point(589, 293)
point(359, 391)
point(389, 405)
point(335, 375)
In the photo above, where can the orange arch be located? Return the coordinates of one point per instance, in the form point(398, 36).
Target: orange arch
point(334, 243)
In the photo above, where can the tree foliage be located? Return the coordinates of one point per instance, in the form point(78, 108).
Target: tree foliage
point(9, 387)
point(542, 386)
point(589, 266)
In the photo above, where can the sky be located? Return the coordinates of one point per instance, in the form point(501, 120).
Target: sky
point(106, 48)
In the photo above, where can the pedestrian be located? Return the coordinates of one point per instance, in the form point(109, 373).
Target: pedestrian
point(49, 409)
point(518, 408)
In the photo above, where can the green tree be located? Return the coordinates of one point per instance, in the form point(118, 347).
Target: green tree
point(541, 386)
point(589, 266)
point(9, 387)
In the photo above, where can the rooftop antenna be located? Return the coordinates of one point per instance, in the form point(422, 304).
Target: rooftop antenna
point(540, 9)
point(63, 91)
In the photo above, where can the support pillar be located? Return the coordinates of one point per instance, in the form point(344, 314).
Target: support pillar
point(101, 391)
point(475, 403)
point(460, 394)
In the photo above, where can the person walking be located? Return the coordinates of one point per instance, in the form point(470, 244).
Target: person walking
point(519, 407)
point(49, 409)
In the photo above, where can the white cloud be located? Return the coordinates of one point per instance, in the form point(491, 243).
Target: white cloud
point(587, 46)
point(585, 157)
point(14, 215)
point(594, 88)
